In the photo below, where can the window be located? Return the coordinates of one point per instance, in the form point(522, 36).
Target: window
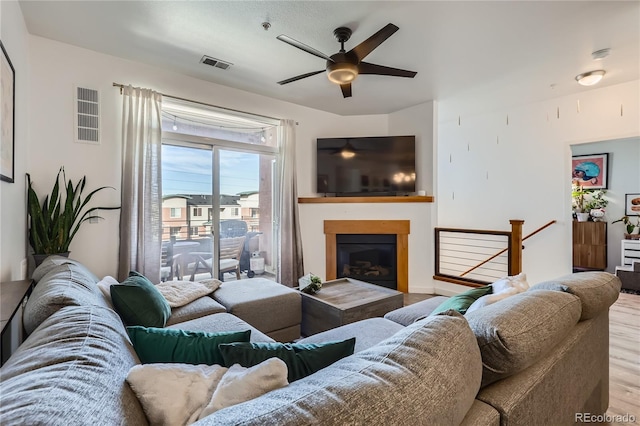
point(224, 163)
point(175, 212)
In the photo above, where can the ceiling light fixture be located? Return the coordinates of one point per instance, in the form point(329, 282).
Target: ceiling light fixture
point(590, 78)
point(342, 73)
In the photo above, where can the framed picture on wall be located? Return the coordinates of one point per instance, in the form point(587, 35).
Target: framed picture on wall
point(7, 116)
point(590, 171)
point(632, 204)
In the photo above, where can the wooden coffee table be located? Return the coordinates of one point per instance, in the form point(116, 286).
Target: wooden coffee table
point(344, 301)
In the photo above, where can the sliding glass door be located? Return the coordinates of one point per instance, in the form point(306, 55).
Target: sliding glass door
point(217, 210)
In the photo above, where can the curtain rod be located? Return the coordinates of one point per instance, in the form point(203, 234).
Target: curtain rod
point(121, 86)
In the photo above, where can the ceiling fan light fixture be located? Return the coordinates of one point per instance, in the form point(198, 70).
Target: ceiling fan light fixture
point(342, 73)
point(590, 78)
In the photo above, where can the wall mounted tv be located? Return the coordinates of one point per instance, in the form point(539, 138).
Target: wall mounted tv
point(366, 166)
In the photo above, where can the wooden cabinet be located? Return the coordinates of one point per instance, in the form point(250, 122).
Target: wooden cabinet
point(589, 245)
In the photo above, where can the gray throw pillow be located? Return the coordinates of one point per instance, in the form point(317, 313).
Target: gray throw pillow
point(596, 290)
point(516, 332)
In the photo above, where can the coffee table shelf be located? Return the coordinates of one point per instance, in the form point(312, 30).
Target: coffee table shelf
point(344, 301)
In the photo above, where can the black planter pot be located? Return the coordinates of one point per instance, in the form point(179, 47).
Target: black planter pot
point(39, 258)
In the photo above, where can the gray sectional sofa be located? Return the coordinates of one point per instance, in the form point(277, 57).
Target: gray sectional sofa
point(535, 358)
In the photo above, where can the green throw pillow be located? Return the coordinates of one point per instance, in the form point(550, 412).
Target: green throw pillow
point(302, 359)
point(462, 301)
point(180, 346)
point(138, 302)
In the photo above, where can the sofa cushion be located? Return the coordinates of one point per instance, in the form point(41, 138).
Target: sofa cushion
point(413, 378)
point(596, 290)
point(461, 302)
point(64, 285)
point(181, 346)
point(514, 333)
point(369, 332)
point(196, 309)
point(302, 359)
point(415, 311)
point(71, 369)
point(51, 262)
point(138, 302)
point(222, 322)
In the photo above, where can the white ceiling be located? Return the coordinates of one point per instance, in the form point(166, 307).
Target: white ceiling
point(484, 51)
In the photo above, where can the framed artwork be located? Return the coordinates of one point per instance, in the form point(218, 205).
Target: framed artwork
point(7, 117)
point(632, 204)
point(590, 171)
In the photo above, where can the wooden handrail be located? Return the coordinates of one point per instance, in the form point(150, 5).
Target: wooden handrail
point(504, 250)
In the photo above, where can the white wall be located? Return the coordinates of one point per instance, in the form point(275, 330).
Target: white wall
point(57, 67)
point(417, 120)
point(13, 217)
point(514, 163)
point(624, 178)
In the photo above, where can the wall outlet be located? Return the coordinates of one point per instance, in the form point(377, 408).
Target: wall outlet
point(23, 269)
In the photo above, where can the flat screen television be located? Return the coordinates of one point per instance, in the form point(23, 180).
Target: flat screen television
point(361, 166)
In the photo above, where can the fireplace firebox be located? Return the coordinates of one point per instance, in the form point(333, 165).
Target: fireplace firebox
point(367, 257)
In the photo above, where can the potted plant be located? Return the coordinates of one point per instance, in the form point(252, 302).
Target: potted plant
point(54, 223)
point(629, 227)
point(596, 204)
point(578, 194)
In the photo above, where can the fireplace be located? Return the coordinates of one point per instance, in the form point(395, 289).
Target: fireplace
point(389, 230)
point(367, 257)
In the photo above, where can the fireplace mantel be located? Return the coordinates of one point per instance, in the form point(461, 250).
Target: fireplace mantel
point(344, 200)
point(401, 228)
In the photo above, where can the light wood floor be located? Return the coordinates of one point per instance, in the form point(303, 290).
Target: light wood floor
point(624, 355)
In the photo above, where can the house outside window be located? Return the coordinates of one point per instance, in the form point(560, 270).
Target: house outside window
point(175, 212)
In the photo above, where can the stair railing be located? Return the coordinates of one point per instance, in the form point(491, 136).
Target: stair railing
point(469, 256)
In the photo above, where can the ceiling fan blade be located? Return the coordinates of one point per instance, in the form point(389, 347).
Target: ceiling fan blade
point(300, 77)
point(367, 68)
point(367, 46)
point(302, 46)
point(346, 90)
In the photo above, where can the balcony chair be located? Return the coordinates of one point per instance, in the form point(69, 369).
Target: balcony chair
point(169, 263)
point(230, 251)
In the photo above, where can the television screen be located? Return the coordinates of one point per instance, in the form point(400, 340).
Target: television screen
point(382, 165)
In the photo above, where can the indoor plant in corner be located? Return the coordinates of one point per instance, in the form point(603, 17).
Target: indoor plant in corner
point(54, 223)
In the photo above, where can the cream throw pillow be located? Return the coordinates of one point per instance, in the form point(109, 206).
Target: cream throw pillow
point(105, 287)
point(241, 384)
point(503, 288)
point(180, 394)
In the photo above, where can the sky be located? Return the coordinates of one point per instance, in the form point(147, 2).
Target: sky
point(189, 171)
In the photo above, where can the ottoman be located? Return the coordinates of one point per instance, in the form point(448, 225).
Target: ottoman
point(272, 308)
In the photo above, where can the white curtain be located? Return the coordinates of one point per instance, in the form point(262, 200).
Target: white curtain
point(140, 217)
point(290, 256)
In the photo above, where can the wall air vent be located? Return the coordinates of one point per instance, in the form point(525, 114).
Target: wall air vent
point(87, 116)
point(217, 63)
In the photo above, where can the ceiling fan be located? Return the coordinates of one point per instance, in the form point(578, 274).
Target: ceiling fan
point(343, 67)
